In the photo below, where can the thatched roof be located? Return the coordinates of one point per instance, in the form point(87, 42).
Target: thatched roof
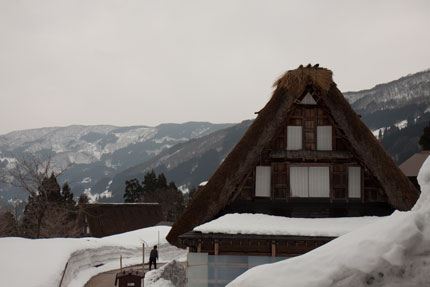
point(224, 185)
point(105, 219)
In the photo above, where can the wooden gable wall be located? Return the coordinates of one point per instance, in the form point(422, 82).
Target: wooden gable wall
point(371, 199)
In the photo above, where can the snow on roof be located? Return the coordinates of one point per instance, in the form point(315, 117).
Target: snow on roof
point(40, 262)
point(263, 224)
point(393, 251)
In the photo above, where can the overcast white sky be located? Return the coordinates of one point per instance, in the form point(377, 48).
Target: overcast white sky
point(151, 62)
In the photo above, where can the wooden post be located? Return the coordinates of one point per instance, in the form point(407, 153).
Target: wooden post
point(64, 272)
point(199, 247)
point(216, 247)
point(143, 258)
point(273, 248)
point(120, 263)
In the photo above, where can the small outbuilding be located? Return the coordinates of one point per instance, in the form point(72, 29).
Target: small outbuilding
point(412, 166)
point(104, 219)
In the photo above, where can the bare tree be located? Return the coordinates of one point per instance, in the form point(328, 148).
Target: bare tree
point(36, 176)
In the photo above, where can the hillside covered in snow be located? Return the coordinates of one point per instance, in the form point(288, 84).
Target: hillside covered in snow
point(96, 153)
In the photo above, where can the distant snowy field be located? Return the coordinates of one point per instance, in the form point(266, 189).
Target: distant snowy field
point(40, 262)
point(393, 251)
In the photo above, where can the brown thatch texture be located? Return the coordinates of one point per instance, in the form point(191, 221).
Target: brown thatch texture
point(401, 193)
point(224, 184)
point(110, 219)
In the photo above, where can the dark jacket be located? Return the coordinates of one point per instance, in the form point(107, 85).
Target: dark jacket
point(153, 254)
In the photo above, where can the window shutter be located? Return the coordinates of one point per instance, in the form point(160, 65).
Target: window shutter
point(324, 138)
point(262, 181)
point(319, 182)
point(299, 181)
point(294, 137)
point(354, 182)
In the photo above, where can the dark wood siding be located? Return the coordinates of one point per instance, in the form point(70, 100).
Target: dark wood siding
point(373, 200)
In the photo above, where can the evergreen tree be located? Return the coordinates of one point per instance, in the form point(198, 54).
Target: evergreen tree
point(50, 213)
point(150, 182)
point(161, 181)
point(83, 199)
point(133, 191)
point(67, 194)
point(425, 138)
point(156, 189)
point(8, 224)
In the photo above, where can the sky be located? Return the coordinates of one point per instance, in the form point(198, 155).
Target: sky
point(135, 62)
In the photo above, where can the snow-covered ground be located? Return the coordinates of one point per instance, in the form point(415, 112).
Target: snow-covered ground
point(394, 251)
point(247, 223)
point(40, 262)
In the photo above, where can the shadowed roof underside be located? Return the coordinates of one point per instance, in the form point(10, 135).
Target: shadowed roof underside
point(224, 185)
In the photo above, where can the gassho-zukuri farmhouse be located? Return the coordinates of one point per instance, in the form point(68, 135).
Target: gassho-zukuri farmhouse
point(307, 170)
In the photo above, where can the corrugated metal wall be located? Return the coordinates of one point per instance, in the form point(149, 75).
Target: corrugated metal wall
point(294, 137)
point(354, 182)
point(262, 181)
point(324, 138)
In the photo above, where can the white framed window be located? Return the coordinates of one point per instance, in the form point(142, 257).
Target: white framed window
point(354, 182)
point(310, 181)
point(294, 137)
point(319, 181)
point(299, 181)
point(262, 181)
point(324, 138)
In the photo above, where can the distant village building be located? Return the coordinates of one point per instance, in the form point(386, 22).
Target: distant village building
point(306, 155)
point(412, 166)
point(104, 219)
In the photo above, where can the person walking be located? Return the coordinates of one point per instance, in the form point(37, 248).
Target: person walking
point(153, 256)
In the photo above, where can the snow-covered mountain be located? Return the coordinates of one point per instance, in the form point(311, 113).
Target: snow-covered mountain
point(187, 164)
point(96, 152)
point(104, 157)
point(396, 112)
point(395, 103)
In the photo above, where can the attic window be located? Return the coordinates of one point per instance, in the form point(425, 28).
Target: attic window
point(324, 138)
point(308, 100)
point(294, 137)
point(262, 181)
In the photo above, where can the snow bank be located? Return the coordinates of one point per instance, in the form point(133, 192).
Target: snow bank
point(40, 262)
point(263, 224)
point(171, 274)
point(394, 251)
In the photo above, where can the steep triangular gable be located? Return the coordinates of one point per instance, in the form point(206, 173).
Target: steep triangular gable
point(226, 182)
point(308, 100)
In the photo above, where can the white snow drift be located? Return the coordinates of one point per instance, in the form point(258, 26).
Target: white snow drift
point(394, 251)
point(40, 262)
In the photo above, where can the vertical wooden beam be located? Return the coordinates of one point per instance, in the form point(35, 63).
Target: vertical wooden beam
point(273, 248)
point(143, 258)
point(199, 246)
point(331, 185)
point(216, 247)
